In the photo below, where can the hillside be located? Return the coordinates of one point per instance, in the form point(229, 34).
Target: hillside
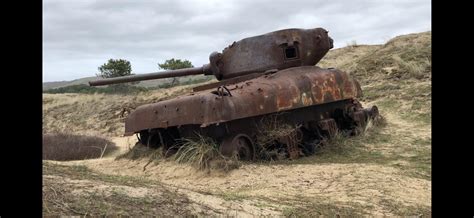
point(85, 81)
point(397, 73)
point(385, 172)
point(53, 85)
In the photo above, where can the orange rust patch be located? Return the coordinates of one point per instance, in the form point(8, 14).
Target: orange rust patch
point(306, 99)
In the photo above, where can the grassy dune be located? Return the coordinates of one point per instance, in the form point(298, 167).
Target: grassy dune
point(386, 171)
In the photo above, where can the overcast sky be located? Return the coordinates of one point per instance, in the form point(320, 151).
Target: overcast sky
point(81, 35)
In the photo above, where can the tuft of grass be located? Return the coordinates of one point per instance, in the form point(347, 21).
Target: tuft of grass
point(200, 152)
point(64, 147)
point(141, 151)
point(197, 152)
point(272, 129)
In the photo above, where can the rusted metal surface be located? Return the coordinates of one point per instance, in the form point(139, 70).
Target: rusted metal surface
point(285, 90)
point(276, 50)
point(226, 82)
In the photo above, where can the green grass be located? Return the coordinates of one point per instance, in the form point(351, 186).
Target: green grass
point(380, 91)
point(311, 207)
point(419, 163)
point(82, 172)
point(86, 89)
point(203, 153)
point(302, 206)
point(233, 196)
point(405, 210)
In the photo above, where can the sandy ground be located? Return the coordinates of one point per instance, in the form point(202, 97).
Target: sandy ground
point(264, 189)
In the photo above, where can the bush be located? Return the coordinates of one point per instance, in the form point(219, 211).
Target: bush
point(198, 152)
point(64, 147)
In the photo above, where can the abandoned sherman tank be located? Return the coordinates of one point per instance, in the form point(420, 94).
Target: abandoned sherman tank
point(261, 78)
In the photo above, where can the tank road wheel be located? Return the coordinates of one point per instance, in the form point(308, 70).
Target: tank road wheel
point(149, 139)
point(361, 117)
point(239, 145)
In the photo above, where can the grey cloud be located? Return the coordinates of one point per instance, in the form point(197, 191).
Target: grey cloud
point(78, 36)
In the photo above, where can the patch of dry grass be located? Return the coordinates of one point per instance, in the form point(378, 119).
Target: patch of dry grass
point(200, 152)
point(404, 57)
point(203, 153)
point(270, 132)
point(97, 113)
point(272, 129)
point(64, 147)
point(64, 194)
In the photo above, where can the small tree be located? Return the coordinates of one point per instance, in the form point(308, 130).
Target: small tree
point(174, 64)
point(115, 68)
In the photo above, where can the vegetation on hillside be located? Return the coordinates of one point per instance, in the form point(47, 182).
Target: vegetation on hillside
point(396, 75)
point(63, 147)
point(86, 89)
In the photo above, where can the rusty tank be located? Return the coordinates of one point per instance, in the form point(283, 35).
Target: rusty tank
point(267, 77)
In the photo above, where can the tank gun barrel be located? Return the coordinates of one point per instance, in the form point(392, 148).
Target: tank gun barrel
point(150, 76)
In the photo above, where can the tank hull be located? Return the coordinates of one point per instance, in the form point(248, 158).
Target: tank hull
point(284, 90)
